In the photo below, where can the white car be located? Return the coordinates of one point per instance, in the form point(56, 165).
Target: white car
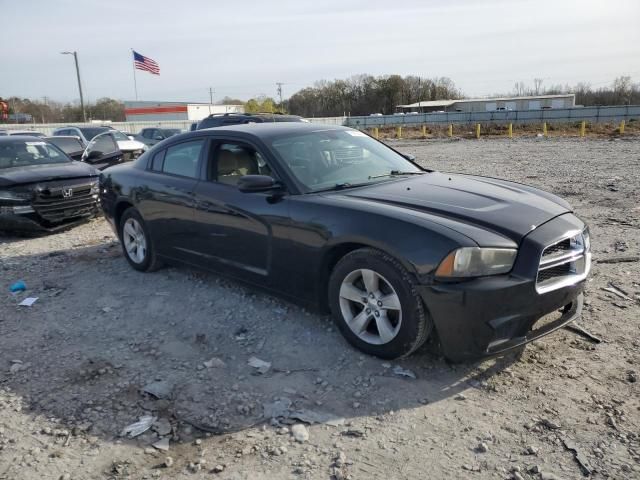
point(131, 148)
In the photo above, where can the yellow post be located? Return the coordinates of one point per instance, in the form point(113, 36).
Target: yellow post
point(583, 128)
point(399, 132)
point(510, 130)
point(621, 127)
point(544, 128)
point(451, 130)
point(375, 132)
point(477, 130)
point(424, 131)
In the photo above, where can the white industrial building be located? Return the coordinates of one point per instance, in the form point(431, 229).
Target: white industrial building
point(533, 102)
point(136, 111)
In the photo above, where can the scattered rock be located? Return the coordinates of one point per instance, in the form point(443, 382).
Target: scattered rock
point(460, 396)
point(482, 448)
point(261, 366)
point(300, 433)
point(550, 424)
point(218, 469)
point(214, 363)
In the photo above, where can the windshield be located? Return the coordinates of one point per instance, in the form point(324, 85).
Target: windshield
point(340, 158)
point(89, 133)
point(26, 153)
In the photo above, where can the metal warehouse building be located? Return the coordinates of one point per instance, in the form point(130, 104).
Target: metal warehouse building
point(534, 102)
point(159, 111)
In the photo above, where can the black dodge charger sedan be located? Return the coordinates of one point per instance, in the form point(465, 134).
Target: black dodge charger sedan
point(331, 217)
point(41, 189)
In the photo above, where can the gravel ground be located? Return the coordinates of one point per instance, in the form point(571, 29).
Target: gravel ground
point(73, 366)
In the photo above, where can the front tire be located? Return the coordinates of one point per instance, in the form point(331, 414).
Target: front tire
point(137, 245)
point(376, 305)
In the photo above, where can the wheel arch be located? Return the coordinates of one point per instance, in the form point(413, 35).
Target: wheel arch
point(121, 207)
point(332, 256)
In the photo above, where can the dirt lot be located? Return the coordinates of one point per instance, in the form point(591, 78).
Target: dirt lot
point(73, 366)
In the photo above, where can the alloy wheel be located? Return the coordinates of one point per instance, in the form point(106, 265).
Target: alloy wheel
point(135, 242)
point(370, 306)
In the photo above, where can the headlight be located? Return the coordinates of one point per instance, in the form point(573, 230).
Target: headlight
point(476, 262)
point(14, 196)
point(586, 238)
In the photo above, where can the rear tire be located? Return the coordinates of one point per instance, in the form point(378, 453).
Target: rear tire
point(137, 244)
point(376, 305)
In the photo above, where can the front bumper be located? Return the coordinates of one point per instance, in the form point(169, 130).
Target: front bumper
point(31, 223)
point(487, 316)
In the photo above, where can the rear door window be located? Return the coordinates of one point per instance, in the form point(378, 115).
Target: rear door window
point(183, 159)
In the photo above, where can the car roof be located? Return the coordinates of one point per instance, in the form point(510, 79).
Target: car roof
point(19, 138)
point(272, 129)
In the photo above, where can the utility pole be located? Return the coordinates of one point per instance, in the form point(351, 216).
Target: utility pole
point(210, 99)
point(280, 84)
point(75, 57)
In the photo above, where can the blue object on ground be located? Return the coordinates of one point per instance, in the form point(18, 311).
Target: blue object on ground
point(19, 286)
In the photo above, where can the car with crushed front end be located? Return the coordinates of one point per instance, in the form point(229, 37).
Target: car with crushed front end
point(331, 217)
point(41, 188)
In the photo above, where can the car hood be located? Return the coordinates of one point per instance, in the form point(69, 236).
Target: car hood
point(509, 208)
point(128, 145)
point(39, 173)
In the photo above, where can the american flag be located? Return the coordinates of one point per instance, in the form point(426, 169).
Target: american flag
point(145, 63)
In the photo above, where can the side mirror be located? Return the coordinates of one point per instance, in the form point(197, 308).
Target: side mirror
point(257, 183)
point(408, 156)
point(158, 137)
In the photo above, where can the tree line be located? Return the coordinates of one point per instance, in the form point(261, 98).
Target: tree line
point(366, 94)
point(49, 111)
point(357, 95)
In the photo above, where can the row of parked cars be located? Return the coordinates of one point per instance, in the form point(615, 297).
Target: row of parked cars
point(50, 182)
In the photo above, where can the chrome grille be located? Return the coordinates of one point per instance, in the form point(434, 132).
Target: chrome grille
point(564, 262)
point(54, 203)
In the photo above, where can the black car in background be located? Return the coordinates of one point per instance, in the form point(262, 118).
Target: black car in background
point(151, 136)
point(226, 119)
point(331, 217)
point(71, 146)
point(41, 189)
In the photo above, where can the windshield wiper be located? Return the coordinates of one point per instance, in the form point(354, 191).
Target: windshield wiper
point(393, 173)
point(340, 186)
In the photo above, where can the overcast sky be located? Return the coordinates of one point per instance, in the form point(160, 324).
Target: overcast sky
point(242, 48)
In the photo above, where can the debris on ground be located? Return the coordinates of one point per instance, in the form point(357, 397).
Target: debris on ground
point(162, 444)
point(618, 260)
point(27, 302)
point(160, 389)
point(578, 455)
point(617, 291)
point(574, 327)
point(139, 427)
point(403, 372)
point(18, 286)
point(261, 366)
point(310, 416)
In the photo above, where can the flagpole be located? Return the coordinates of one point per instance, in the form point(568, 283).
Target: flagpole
point(135, 84)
